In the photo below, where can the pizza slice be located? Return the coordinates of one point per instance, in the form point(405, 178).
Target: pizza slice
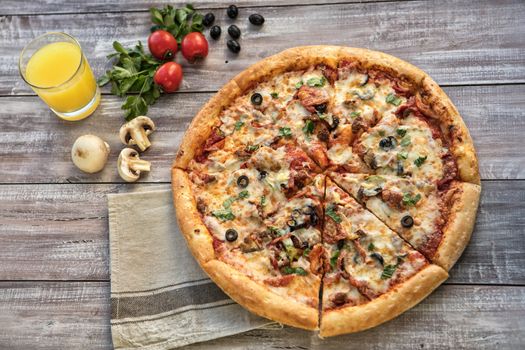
point(373, 275)
point(261, 215)
point(423, 215)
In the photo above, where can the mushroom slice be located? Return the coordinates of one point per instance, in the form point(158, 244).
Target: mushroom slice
point(136, 131)
point(130, 165)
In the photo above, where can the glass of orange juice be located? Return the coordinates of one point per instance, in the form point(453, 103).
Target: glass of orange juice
point(55, 67)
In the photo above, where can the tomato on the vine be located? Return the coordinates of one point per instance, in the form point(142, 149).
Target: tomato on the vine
point(162, 45)
point(168, 76)
point(194, 46)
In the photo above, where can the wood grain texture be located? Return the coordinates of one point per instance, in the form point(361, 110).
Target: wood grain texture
point(74, 315)
point(455, 42)
point(14, 7)
point(35, 145)
point(60, 232)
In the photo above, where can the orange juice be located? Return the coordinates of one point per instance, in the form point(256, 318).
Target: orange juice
point(60, 74)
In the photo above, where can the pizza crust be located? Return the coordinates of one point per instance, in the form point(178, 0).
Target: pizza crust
point(385, 307)
point(202, 125)
point(259, 299)
point(197, 236)
point(459, 227)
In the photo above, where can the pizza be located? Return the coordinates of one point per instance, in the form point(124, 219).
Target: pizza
point(327, 188)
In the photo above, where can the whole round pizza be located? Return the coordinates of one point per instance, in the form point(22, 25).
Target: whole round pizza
point(327, 187)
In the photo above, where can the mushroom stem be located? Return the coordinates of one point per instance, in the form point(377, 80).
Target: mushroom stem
point(140, 165)
point(141, 139)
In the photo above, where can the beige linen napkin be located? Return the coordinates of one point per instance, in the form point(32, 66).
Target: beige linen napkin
point(160, 297)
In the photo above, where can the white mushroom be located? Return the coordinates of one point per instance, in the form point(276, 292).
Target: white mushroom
point(90, 153)
point(136, 131)
point(130, 165)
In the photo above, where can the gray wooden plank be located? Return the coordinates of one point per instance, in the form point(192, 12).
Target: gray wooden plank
point(35, 145)
point(456, 42)
point(72, 315)
point(14, 7)
point(60, 232)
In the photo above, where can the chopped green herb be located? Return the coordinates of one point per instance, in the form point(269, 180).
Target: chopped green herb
point(308, 127)
point(401, 132)
point(287, 270)
point(274, 95)
point(388, 271)
point(228, 202)
point(276, 231)
point(402, 155)
point(307, 251)
point(355, 114)
point(371, 247)
point(285, 132)
point(381, 133)
point(263, 200)
point(239, 125)
point(410, 201)
point(330, 211)
point(335, 256)
point(299, 84)
point(252, 148)
point(224, 215)
point(316, 82)
point(393, 99)
point(405, 141)
point(244, 194)
point(419, 161)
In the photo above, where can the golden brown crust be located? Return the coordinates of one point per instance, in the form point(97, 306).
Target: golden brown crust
point(384, 308)
point(260, 299)
point(203, 123)
point(460, 223)
point(298, 58)
point(190, 222)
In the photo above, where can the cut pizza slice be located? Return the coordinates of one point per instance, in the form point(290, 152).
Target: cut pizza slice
point(373, 275)
point(247, 205)
point(435, 222)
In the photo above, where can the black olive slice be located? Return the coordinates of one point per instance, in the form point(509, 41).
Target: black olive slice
point(378, 257)
point(388, 143)
point(243, 181)
point(262, 174)
point(407, 221)
point(231, 235)
point(256, 99)
point(321, 108)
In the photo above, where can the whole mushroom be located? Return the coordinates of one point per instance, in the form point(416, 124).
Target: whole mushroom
point(90, 153)
point(136, 131)
point(130, 166)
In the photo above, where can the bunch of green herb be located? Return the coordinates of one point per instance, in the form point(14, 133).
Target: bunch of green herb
point(178, 22)
point(132, 73)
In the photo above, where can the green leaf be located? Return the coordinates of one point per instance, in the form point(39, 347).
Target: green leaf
point(405, 141)
point(103, 80)
point(299, 84)
point(308, 127)
point(393, 99)
point(276, 231)
point(274, 95)
point(181, 15)
point(316, 82)
point(239, 125)
point(287, 270)
point(228, 202)
point(401, 132)
point(263, 201)
point(156, 16)
point(196, 23)
point(419, 161)
point(334, 257)
point(371, 247)
point(330, 211)
point(388, 271)
point(119, 48)
point(223, 215)
point(402, 155)
point(355, 114)
point(252, 148)
point(126, 84)
point(244, 194)
point(410, 201)
point(307, 251)
point(285, 132)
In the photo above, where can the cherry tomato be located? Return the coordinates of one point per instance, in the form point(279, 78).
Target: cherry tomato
point(168, 76)
point(162, 45)
point(194, 46)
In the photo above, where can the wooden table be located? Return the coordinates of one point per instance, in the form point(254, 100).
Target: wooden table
point(54, 263)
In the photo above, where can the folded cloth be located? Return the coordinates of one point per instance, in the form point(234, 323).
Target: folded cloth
point(160, 297)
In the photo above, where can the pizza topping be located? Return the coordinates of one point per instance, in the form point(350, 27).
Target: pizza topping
point(224, 215)
point(285, 132)
point(331, 213)
point(310, 97)
point(316, 82)
point(393, 99)
point(231, 235)
point(339, 299)
point(388, 143)
point(407, 221)
point(321, 108)
point(388, 271)
point(378, 257)
point(243, 181)
point(420, 160)
point(409, 200)
point(256, 99)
